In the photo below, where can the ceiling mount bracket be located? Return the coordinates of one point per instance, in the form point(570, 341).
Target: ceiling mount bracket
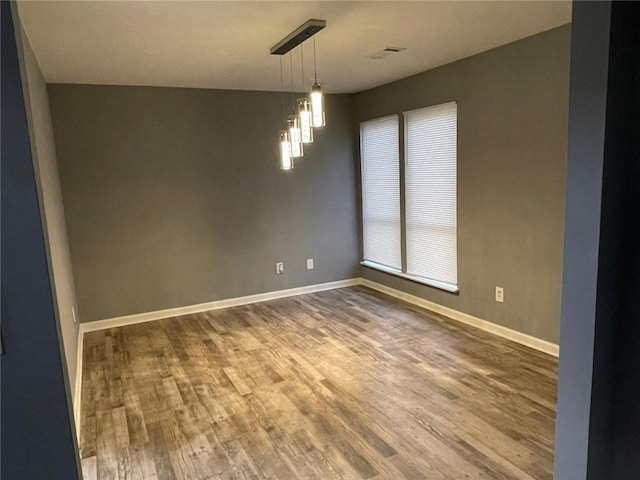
point(304, 32)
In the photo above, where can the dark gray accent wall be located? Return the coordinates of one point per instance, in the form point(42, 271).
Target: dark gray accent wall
point(623, 143)
point(598, 422)
point(36, 435)
point(174, 197)
point(512, 145)
point(590, 50)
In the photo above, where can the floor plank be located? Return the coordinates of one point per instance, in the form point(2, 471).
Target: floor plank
point(347, 383)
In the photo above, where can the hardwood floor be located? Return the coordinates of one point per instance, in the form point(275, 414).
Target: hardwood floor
point(346, 383)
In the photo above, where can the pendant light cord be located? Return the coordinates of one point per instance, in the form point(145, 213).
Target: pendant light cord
point(282, 90)
point(302, 64)
point(293, 103)
point(315, 67)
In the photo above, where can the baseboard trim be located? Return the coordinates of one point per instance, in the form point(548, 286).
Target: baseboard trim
point(518, 337)
point(514, 335)
point(215, 305)
point(174, 312)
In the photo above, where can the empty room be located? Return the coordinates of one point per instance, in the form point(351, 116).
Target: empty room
point(317, 239)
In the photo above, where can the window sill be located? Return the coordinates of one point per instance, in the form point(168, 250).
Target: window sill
point(447, 287)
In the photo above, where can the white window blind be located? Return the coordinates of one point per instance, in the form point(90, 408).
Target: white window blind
point(381, 191)
point(430, 195)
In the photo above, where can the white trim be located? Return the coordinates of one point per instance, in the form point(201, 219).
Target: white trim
point(173, 312)
point(519, 337)
point(204, 307)
point(447, 287)
point(77, 396)
point(522, 338)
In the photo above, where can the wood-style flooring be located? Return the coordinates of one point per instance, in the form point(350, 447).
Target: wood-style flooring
point(346, 383)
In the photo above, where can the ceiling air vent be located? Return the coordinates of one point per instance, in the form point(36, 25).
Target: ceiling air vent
point(380, 54)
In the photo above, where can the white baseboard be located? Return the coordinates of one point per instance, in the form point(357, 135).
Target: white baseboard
point(522, 338)
point(216, 305)
point(519, 337)
point(174, 312)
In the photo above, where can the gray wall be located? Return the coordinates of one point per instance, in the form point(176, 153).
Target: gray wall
point(174, 197)
point(512, 145)
point(53, 218)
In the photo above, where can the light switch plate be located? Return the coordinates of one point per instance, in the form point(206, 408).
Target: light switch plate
point(309, 263)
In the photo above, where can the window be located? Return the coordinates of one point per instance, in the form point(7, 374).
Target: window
point(430, 192)
point(381, 191)
point(430, 204)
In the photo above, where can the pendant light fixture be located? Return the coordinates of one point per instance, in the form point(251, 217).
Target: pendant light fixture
point(316, 95)
point(286, 162)
point(307, 112)
point(304, 116)
point(295, 138)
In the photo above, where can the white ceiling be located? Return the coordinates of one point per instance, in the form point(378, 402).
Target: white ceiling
point(225, 44)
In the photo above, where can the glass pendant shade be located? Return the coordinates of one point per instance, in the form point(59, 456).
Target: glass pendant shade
point(286, 162)
point(317, 107)
point(295, 136)
point(304, 117)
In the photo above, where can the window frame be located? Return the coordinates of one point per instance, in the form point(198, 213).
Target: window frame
point(402, 273)
point(397, 121)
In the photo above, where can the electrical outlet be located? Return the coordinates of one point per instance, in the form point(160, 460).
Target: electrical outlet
point(309, 263)
point(73, 314)
point(500, 294)
point(280, 268)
